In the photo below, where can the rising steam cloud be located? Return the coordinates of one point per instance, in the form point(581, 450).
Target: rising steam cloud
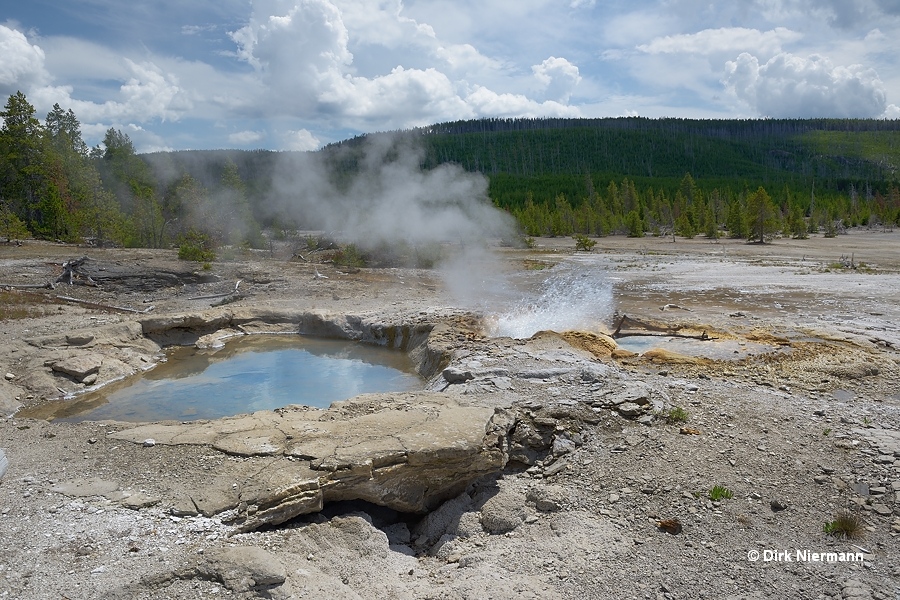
point(389, 199)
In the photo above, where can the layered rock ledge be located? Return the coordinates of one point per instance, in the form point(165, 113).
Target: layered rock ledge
point(406, 451)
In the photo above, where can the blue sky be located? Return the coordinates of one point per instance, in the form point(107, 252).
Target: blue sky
point(297, 74)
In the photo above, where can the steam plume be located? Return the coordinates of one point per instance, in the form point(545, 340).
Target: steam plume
point(389, 198)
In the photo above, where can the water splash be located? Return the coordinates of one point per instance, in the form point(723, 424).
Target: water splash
point(574, 296)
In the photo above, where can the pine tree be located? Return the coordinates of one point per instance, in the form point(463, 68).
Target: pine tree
point(761, 216)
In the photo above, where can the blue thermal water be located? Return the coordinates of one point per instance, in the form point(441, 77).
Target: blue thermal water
point(264, 372)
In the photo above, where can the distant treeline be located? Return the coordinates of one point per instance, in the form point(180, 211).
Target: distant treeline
point(636, 175)
point(750, 178)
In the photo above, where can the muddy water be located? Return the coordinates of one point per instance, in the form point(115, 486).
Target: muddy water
point(248, 374)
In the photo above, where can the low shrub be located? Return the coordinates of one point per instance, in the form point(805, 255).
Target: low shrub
point(196, 246)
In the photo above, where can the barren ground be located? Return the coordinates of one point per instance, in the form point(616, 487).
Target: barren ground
point(798, 418)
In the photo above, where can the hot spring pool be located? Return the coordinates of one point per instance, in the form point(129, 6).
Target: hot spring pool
point(250, 373)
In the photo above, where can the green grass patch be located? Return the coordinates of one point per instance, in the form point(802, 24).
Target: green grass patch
point(677, 414)
point(720, 492)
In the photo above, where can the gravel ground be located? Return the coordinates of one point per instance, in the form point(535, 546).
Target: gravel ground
point(797, 419)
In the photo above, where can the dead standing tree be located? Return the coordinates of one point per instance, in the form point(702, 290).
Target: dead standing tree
point(72, 273)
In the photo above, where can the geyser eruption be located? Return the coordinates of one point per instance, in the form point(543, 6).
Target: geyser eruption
point(574, 296)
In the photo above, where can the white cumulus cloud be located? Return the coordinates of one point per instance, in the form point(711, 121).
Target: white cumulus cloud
point(243, 138)
point(300, 49)
point(792, 86)
point(300, 140)
point(148, 94)
point(21, 63)
point(558, 77)
point(486, 102)
point(724, 40)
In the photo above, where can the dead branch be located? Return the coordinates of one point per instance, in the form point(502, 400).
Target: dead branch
point(29, 286)
point(234, 291)
point(90, 304)
point(72, 272)
point(654, 330)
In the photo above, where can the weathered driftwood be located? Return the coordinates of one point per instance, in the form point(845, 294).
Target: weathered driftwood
point(90, 304)
point(234, 291)
point(72, 273)
point(28, 286)
point(654, 330)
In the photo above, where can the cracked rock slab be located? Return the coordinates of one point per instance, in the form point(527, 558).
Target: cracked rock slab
point(79, 367)
point(407, 451)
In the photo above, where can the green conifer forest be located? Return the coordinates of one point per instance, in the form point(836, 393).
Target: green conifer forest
point(750, 179)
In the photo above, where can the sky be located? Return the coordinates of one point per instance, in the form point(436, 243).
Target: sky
point(299, 74)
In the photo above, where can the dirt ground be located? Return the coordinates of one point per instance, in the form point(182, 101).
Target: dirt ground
point(794, 407)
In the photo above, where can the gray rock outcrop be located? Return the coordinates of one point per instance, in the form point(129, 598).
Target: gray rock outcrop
point(408, 452)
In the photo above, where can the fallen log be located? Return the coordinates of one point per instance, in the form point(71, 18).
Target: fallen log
point(234, 291)
point(90, 304)
point(29, 286)
point(654, 330)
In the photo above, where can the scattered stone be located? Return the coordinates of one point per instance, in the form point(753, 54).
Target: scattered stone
point(563, 445)
point(398, 534)
point(546, 498)
point(884, 459)
point(503, 513)
point(636, 393)
point(80, 366)
point(861, 489)
point(777, 505)
point(243, 569)
point(629, 409)
point(881, 509)
point(184, 507)
point(456, 375)
point(855, 590)
point(139, 500)
point(444, 519)
point(10, 376)
point(820, 479)
point(149, 443)
point(595, 374)
point(4, 463)
point(556, 467)
point(671, 526)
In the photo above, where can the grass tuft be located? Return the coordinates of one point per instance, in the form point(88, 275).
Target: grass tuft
point(846, 524)
point(720, 492)
point(677, 414)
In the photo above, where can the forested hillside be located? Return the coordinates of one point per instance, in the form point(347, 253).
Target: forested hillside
point(635, 175)
point(748, 179)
